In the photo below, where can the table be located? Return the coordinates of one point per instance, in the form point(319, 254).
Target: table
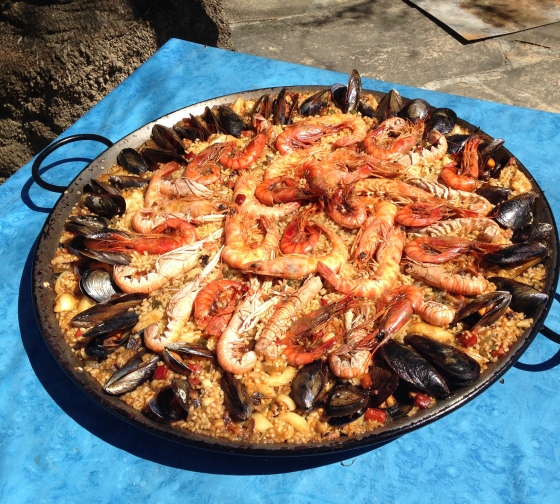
point(56, 444)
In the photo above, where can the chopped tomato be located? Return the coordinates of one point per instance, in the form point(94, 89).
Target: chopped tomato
point(468, 339)
point(160, 373)
point(195, 368)
point(366, 381)
point(500, 352)
point(190, 155)
point(423, 401)
point(376, 415)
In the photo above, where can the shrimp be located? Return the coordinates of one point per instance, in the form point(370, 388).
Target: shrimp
point(230, 351)
point(152, 194)
point(178, 311)
point(282, 190)
point(287, 165)
point(437, 250)
point(239, 251)
point(437, 314)
point(452, 177)
point(395, 190)
point(249, 155)
point(203, 167)
point(182, 233)
point(214, 305)
point(485, 230)
point(376, 228)
point(361, 162)
point(392, 138)
point(306, 327)
point(181, 187)
point(297, 266)
point(284, 316)
point(300, 236)
point(244, 198)
point(388, 258)
point(306, 132)
point(436, 151)
point(168, 266)
point(456, 283)
point(345, 208)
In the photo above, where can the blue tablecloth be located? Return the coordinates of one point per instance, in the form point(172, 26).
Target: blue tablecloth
point(56, 444)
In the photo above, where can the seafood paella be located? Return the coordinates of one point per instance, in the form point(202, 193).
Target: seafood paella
point(300, 267)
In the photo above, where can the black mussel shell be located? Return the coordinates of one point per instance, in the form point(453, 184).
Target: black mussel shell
point(494, 305)
point(518, 253)
point(340, 421)
point(414, 369)
point(188, 133)
point(230, 121)
point(124, 182)
point(455, 143)
point(524, 298)
point(101, 346)
point(390, 105)
point(487, 149)
point(112, 326)
point(516, 212)
point(199, 125)
point(366, 110)
point(85, 225)
point(104, 311)
point(262, 107)
point(458, 368)
point(132, 161)
point(384, 383)
point(211, 120)
point(174, 362)
point(338, 95)
point(346, 399)
point(416, 110)
point(442, 120)
point(538, 231)
point(353, 91)
point(494, 194)
point(308, 384)
point(399, 410)
point(182, 389)
point(155, 156)
point(167, 139)
point(97, 284)
point(315, 104)
point(105, 205)
point(171, 403)
point(280, 109)
point(188, 349)
point(172, 355)
point(236, 398)
point(112, 258)
point(132, 374)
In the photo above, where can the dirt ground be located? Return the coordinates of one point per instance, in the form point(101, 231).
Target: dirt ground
point(61, 57)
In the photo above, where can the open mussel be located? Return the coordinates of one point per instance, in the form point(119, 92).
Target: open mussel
point(104, 200)
point(315, 103)
point(113, 258)
point(262, 108)
point(113, 325)
point(442, 120)
point(383, 383)
point(132, 161)
point(416, 110)
point(101, 346)
point(308, 384)
point(518, 254)
point(494, 194)
point(493, 305)
point(85, 224)
point(104, 311)
point(167, 139)
point(189, 133)
point(135, 372)
point(127, 182)
point(97, 284)
point(155, 156)
point(173, 354)
point(231, 122)
point(524, 298)
point(414, 369)
point(455, 143)
point(348, 98)
point(282, 108)
point(346, 403)
point(172, 403)
point(456, 367)
point(516, 212)
point(537, 231)
point(485, 152)
point(236, 398)
point(390, 105)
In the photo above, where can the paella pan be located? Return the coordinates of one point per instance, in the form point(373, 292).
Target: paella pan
point(269, 393)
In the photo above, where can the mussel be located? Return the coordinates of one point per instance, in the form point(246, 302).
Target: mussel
point(104, 200)
point(112, 258)
point(353, 92)
point(236, 398)
point(486, 151)
point(537, 231)
point(167, 139)
point(494, 194)
point(493, 304)
point(414, 369)
point(282, 109)
point(308, 384)
point(390, 105)
point(315, 103)
point(416, 110)
point(155, 156)
point(98, 285)
point(230, 121)
point(132, 161)
point(346, 403)
point(127, 182)
point(172, 403)
point(384, 383)
point(172, 356)
point(101, 346)
point(262, 108)
point(524, 298)
point(113, 325)
point(132, 374)
point(104, 311)
point(442, 120)
point(518, 253)
point(455, 143)
point(85, 224)
point(189, 133)
point(516, 212)
point(456, 367)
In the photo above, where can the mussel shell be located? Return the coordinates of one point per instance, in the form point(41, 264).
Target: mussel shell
point(101, 346)
point(92, 221)
point(353, 91)
point(236, 398)
point(308, 384)
point(188, 133)
point(230, 120)
point(127, 182)
point(346, 399)
point(339, 421)
point(524, 298)
point(442, 120)
point(113, 325)
point(104, 311)
point(132, 374)
point(171, 403)
point(384, 383)
point(155, 156)
point(455, 143)
point(416, 110)
point(399, 410)
point(198, 124)
point(280, 109)
point(182, 389)
point(338, 95)
point(172, 356)
point(414, 369)
point(494, 194)
point(455, 366)
point(314, 104)
point(390, 105)
point(516, 212)
point(212, 121)
point(105, 205)
point(167, 139)
point(113, 258)
point(262, 107)
point(366, 110)
point(98, 285)
point(494, 305)
point(487, 149)
point(188, 349)
point(132, 161)
point(518, 253)
point(538, 231)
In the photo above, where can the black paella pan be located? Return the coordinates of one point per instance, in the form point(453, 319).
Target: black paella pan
point(44, 301)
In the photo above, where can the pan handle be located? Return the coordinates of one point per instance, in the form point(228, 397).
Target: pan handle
point(55, 145)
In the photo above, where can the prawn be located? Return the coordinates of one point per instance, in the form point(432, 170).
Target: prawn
point(437, 250)
point(435, 152)
point(297, 266)
point(152, 194)
point(395, 190)
point(287, 165)
point(283, 190)
point(345, 208)
point(388, 257)
point(486, 230)
point(203, 167)
point(300, 236)
point(456, 283)
point(284, 316)
point(249, 155)
point(392, 138)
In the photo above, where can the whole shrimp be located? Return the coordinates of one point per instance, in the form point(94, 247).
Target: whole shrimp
point(438, 249)
point(297, 266)
point(392, 138)
point(251, 152)
point(395, 190)
point(388, 257)
point(300, 235)
point(428, 155)
point(485, 230)
point(345, 208)
point(284, 316)
point(283, 190)
point(203, 168)
point(456, 283)
point(465, 177)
